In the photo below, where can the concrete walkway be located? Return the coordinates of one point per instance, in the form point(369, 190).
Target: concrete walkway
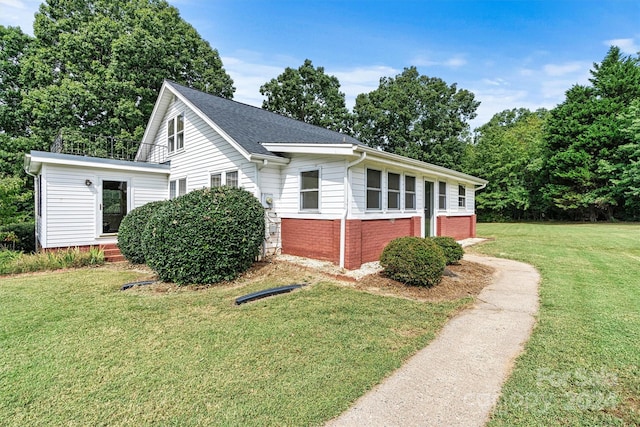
point(456, 380)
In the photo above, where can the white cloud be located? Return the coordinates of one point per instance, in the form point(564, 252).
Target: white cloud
point(628, 46)
point(455, 61)
point(19, 13)
point(557, 70)
point(359, 80)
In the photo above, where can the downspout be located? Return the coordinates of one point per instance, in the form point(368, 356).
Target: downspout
point(347, 206)
point(35, 195)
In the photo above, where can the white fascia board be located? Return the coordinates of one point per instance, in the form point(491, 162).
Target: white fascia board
point(419, 166)
point(38, 158)
point(304, 148)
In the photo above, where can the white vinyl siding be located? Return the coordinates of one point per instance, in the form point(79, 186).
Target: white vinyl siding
point(205, 153)
point(71, 210)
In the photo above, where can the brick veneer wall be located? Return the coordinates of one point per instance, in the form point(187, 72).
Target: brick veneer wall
point(458, 227)
point(365, 239)
point(311, 238)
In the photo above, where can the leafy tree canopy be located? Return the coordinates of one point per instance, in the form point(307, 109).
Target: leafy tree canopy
point(98, 65)
point(508, 153)
point(586, 147)
point(309, 95)
point(416, 116)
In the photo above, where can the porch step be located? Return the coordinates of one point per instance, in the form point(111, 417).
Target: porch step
point(112, 253)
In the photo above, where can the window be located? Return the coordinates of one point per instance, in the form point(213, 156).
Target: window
point(175, 133)
point(442, 196)
point(374, 189)
point(216, 180)
point(462, 196)
point(232, 179)
point(393, 191)
point(409, 192)
point(310, 190)
point(227, 178)
point(177, 188)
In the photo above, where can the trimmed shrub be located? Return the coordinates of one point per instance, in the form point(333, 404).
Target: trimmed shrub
point(205, 236)
point(25, 233)
point(452, 250)
point(413, 261)
point(131, 229)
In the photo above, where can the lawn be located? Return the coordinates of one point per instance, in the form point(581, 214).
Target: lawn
point(77, 351)
point(581, 366)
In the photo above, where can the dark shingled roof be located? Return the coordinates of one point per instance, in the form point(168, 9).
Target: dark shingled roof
point(249, 126)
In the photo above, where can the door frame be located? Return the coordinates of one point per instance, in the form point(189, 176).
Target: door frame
point(99, 202)
point(429, 223)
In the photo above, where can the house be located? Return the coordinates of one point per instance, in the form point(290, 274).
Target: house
point(326, 195)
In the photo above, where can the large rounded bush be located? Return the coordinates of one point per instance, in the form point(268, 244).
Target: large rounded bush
point(131, 229)
point(413, 261)
point(453, 251)
point(205, 236)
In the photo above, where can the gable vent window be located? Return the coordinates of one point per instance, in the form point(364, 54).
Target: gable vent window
point(310, 190)
point(409, 192)
point(177, 188)
point(175, 133)
point(462, 196)
point(442, 196)
point(374, 189)
point(393, 191)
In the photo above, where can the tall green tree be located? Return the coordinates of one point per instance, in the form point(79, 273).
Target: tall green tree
point(416, 116)
point(14, 121)
point(309, 95)
point(585, 141)
point(507, 151)
point(98, 65)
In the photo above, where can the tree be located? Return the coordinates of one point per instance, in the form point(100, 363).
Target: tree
point(309, 95)
point(507, 151)
point(13, 197)
point(14, 121)
point(416, 116)
point(98, 65)
point(586, 148)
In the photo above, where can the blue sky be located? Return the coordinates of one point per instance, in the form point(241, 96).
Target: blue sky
point(509, 53)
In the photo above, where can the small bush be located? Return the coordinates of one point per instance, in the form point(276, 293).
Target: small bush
point(25, 233)
point(452, 250)
point(205, 236)
point(413, 261)
point(131, 229)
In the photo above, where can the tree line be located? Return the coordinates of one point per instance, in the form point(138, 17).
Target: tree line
point(97, 66)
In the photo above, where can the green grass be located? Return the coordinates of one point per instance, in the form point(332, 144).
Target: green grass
point(76, 351)
point(581, 366)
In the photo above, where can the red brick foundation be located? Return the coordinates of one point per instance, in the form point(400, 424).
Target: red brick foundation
point(364, 239)
point(458, 227)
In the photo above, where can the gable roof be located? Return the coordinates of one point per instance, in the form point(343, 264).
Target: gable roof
point(250, 126)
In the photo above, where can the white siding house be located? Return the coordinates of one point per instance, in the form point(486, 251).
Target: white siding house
point(326, 195)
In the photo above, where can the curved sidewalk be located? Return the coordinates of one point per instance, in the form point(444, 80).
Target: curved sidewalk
point(456, 380)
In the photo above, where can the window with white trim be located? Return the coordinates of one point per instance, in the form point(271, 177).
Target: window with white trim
point(374, 189)
point(393, 191)
point(227, 178)
point(177, 188)
point(216, 180)
point(442, 196)
point(231, 179)
point(175, 133)
point(310, 190)
point(409, 192)
point(462, 196)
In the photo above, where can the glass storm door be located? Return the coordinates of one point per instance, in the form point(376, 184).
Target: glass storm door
point(428, 208)
point(114, 205)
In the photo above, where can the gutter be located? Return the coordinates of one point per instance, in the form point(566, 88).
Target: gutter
point(347, 206)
